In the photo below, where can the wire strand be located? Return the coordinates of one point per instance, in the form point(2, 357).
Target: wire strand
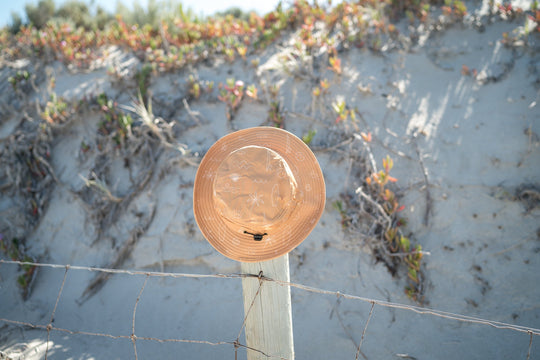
point(236, 343)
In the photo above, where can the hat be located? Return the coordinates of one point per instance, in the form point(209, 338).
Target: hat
point(258, 193)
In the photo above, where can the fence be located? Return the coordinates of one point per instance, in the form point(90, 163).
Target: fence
point(236, 344)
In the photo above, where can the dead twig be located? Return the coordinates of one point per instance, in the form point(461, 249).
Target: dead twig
point(426, 180)
point(193, 114)
point(368, 150)
point(163, 133)
point(101, 186)
point(378, 206)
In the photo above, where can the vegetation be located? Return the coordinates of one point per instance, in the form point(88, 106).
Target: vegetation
point(169, 36)
point(166, 37)
point(20, 77)
point(395, 241)
point(115, 123)
point(231, 94)
point(14, 250)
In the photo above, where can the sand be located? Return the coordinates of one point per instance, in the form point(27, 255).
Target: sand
point(466, 155)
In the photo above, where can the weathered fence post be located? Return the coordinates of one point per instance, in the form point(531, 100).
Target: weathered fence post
point(257, 195)
point(268, 326)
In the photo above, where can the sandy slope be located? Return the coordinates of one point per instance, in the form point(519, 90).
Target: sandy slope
point(475, 140)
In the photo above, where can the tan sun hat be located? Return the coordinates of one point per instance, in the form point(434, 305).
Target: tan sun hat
point(258, 193)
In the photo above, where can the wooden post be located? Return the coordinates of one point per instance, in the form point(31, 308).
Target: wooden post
point(269, 321)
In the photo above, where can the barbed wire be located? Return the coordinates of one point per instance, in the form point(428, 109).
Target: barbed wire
point(236, 343)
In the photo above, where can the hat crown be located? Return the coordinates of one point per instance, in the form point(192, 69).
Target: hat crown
point(255, 188)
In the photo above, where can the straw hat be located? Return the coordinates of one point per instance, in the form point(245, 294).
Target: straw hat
point(258, 193)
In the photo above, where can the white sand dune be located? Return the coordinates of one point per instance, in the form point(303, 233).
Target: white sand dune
point(466, 156)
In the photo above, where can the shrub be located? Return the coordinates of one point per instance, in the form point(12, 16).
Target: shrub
point(16, 23)
point(38, 15)
point(77, 12)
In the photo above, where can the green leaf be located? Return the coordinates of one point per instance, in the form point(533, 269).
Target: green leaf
point(405, 244)
point(338, 205)
point(309, 136)
point(22, 281)
point(413, 275)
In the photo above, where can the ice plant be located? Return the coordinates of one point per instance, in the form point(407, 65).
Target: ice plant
point(116, 123)
point(194, 88)
point(275, 114)
point(251, 92)
point(395, 241)
point(231, 94)
point(56, 110)
point(309, 137)
point(20, 77)
point(335, 64)
point(366, 137)
point(382, 177)
point(342, 111)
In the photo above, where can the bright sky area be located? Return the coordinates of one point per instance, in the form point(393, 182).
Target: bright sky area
point(204, 7)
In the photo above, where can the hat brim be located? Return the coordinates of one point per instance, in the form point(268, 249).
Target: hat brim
point(232, 242)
